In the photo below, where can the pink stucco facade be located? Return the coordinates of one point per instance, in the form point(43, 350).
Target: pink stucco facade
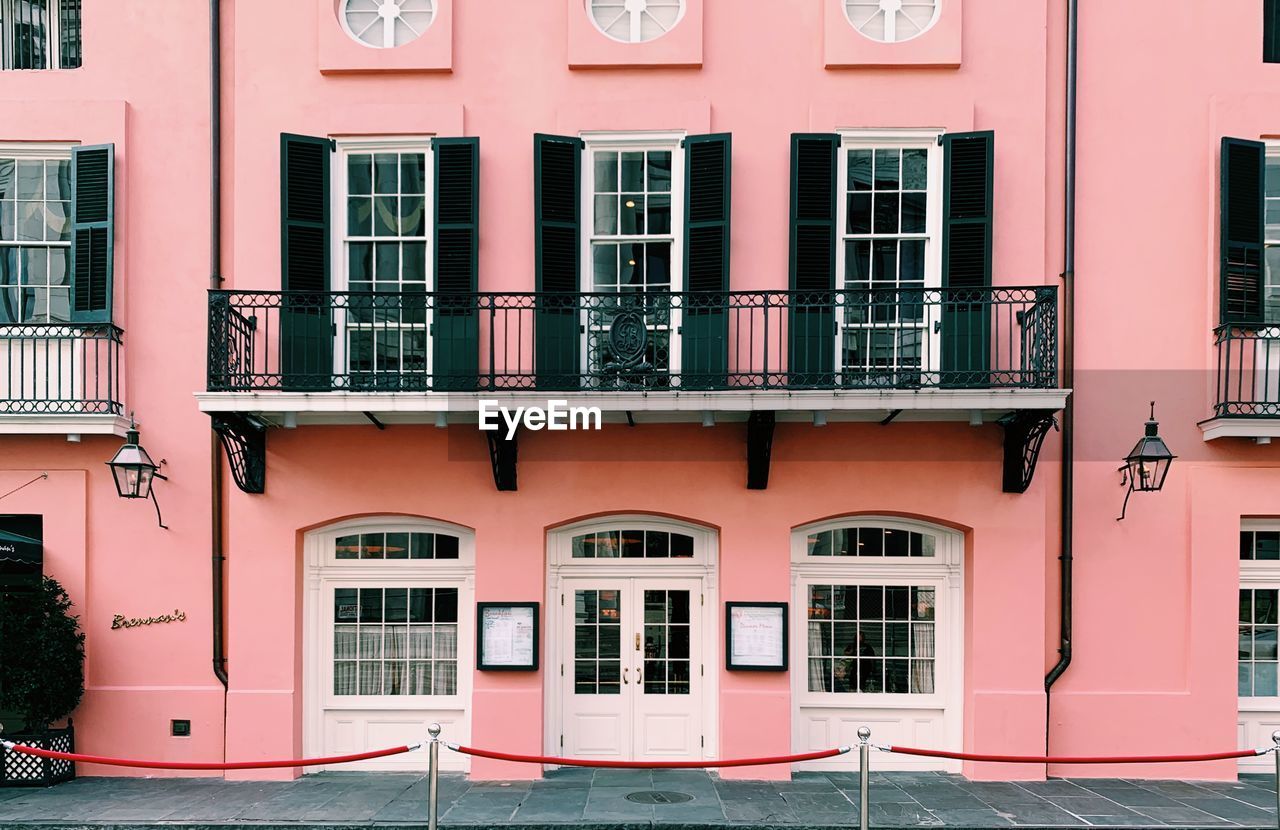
point(1155, 610)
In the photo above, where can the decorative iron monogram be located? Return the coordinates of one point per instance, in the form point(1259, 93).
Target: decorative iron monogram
point(628, 339)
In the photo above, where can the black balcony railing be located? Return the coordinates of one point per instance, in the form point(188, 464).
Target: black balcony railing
point(972, 338)
point(1248, 383)
point(60, 369)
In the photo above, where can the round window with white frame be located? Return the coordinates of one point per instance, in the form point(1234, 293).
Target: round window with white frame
point(635, 21)
point(384, 24)
point(892, 21)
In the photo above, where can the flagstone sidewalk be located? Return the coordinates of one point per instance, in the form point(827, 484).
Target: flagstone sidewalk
point(599, 799)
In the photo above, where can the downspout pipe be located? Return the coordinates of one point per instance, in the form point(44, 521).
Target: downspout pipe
point(1068, 368)
point(215, 281)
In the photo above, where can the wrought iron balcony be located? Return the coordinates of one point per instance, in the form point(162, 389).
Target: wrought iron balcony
point(970, 338)
point(60, 369)
point(1248, 383)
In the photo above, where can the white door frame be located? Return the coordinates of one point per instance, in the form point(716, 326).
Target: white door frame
point(945, 571)
point(561, 566)
point(321, 569)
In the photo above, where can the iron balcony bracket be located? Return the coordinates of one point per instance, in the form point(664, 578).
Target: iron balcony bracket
point(502, 455)
point(1024, 434)
point(245, 442)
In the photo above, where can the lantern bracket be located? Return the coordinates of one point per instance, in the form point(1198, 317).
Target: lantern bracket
point(245, 442)
point(760, 427)
point(1024, 434)
point(503, 453)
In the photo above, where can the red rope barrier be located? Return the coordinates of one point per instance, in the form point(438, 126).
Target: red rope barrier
point(182, 765)
point(1075, 759)
point(577, 762)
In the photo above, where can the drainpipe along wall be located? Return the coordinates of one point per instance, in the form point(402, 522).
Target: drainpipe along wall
point(215, 281)
point(1068, 370)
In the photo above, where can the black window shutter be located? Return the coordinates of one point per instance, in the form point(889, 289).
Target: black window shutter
point(92, 232)
point(557, 211)
point(1244, 165)
point(813, 258)
point(704, 339)
point(306, 323)
point(967, 212)
point(1271, 31)
point(456, 330)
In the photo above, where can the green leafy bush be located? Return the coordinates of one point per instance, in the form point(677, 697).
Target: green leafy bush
point(41, 655)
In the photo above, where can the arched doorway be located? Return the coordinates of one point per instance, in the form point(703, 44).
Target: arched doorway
point(632, 647)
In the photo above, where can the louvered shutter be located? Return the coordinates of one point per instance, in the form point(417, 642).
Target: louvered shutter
point(812, 331)
point(1243, 230)
point(967, 202)
point(1271, 31)
point(306, 323)
point(92, 232)
point(557, 163)
point(704, 339)
point(456, 327)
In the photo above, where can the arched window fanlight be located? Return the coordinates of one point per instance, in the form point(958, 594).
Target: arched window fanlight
point(892, 21)
point(635, 21)
point(384, 24)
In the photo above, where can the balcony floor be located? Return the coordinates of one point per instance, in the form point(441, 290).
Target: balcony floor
point(797, 405)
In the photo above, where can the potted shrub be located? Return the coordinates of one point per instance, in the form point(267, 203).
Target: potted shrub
point(41, 678)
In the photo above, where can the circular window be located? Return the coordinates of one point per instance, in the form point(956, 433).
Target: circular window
point(635, 21)
point(892, 21)
point(383, 24)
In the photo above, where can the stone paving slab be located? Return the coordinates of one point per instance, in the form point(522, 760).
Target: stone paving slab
point(596, 800)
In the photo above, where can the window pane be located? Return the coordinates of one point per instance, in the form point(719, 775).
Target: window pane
point(360, 174)
point(915, 169)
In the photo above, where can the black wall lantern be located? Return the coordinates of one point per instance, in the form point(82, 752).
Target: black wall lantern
point(134, 471)
point(1147, 464)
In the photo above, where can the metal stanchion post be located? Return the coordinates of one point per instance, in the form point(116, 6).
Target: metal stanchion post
point(433, 777)
point(864, 777)
point(1275, 739)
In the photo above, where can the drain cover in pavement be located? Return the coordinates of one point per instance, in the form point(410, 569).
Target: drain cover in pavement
point(658, 797)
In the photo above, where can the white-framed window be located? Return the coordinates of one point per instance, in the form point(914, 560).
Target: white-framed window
point(383, 208)
point(635, 21)
point(35, 233)
point(385, 24)
point(870, 592)
point(1271, 261)
point(389, 641)
point(634, 203)
point(1259, 618)
point(890, 251)
point(877, 627)
point(892, 21)
point(39, 34)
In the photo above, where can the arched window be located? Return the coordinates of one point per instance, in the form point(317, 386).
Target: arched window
point(389, 643)
point(878, 628)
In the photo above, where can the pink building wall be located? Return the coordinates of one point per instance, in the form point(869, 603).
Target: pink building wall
point(1155, 595)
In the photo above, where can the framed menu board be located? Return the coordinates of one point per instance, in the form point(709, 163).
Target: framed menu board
point(756, 636)
point(507, 636)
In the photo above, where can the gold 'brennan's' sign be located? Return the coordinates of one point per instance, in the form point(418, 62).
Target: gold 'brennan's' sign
point(121, 621)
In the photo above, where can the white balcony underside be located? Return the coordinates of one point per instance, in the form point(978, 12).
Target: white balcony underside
point(37, 424)
point(1250, 428)
point(462, 407)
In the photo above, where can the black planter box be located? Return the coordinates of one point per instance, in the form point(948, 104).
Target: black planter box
point(17, 769)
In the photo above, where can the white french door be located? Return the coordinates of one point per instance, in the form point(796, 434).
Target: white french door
point(632, 680)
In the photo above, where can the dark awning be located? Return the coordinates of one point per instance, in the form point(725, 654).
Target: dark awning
point(24, 550)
